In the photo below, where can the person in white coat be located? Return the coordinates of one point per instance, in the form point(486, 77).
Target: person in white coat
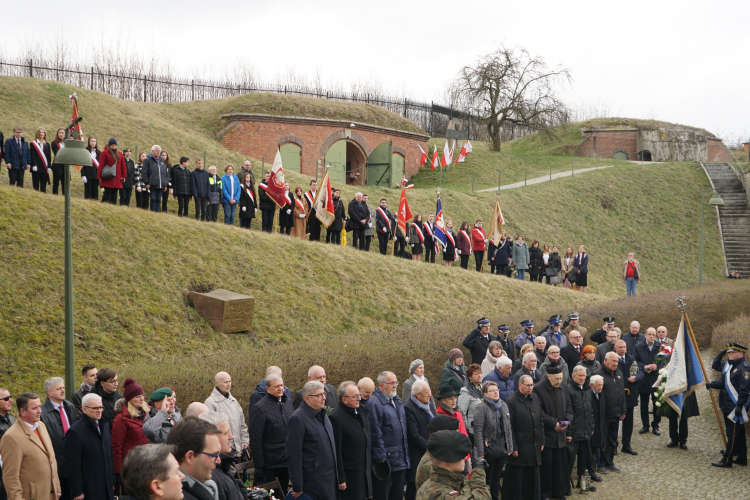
point(222, 400)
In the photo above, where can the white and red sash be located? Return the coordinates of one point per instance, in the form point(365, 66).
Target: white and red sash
point(310, 198)
point(480, 232)
point(453, 242)
point(40, 152)
point(467, 239)
point(94, 161)
point(419, 233)
point(299, 205)
point(264, 187)
point(250, 194)
point(288, 198)
point(385, 217)
point(428, 229)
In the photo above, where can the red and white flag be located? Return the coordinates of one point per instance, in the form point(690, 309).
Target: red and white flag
point(276, 189)
point(435, 159)
point(404, 212)
point(464, 151)
point(423, 157)
point(75, 132)
point(323, 204)
point(447, 155)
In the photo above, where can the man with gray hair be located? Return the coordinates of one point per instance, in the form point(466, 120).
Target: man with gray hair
point(634, 337)
point(351, 431)
point(156, 177)
point(260, 390)
point(268, 428)
point(223, 474)
point(310, 447)
point(88, 453)
point(58, 415)
point(419, 412)
point(359, 220)
point(615, 406)
point(528, 368)
point(222, 400)
point(317, 373)
point(502, 376)
point(599, 436)
point(390, 446)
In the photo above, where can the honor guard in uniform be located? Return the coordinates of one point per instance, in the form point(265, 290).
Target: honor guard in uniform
point(600, 336)
point(526, 336)
point(448, 451)
point(734, 400)
point(507, 342)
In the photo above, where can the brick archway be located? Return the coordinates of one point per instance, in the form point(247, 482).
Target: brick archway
point(290, 138)
point(343, 133)
point(400, 151)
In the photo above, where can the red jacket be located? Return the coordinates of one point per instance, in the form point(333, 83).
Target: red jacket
point(462, 243)
point(457, 414)
point(106, 159)
point(127, 433)
point(477, 239)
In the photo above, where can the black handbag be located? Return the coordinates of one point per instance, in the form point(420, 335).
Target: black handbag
point(550, 271)
point(492, 450)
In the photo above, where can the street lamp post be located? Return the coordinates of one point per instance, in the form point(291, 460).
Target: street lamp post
point(73, 153)
point(715, 200)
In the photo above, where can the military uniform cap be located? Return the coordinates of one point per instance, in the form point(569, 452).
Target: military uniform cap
point(555, 320)
point(609, 319)
point(483, 322)
point(448, 446)
point(735, 347)
point(160, 394)
point(502, 328)
point(442, 423)
point(573, 315)
point(527, 322)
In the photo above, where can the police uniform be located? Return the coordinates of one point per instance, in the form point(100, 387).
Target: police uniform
point(525, 337)
point(567, 328)
point(600, 335)
point(734, 400)
point(509, 347)
point(450, 446)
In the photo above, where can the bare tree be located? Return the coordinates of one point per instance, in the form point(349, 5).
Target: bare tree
point(509, 87)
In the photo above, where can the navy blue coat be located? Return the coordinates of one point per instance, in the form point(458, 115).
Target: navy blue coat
point(88, 460)
point(646, 357)
point(631, 389)
point(311, 454)
point(416, 425)
point(633, 341)
point(260, 392)
point(506, 386)
point(503, 253)
point(388, 429)
point(581, 261)
point(199, 183)
point(11, 153)
point(477, 345)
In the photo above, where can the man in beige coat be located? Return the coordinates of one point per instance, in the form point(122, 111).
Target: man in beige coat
point(222, 400)
point(29, 464)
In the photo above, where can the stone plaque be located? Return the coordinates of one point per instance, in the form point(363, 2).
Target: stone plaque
point(227, 311)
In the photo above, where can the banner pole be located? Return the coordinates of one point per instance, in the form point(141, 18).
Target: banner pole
point(705, 376)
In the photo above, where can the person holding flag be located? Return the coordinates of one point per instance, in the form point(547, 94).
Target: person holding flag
point(404, 217)
point(430, 243)
point(734, 400)
point(313, 224)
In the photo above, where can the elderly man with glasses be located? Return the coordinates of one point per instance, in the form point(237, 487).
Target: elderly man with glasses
point(351, 431)
point(88, 453)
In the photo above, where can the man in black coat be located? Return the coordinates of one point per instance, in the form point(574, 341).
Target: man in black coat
point(419, 413)
point(385, 223)
point(528, 368)
point(521, 480)
point(359, 219)
point(333, 235)
point(224, 474)
point(571, 353)
point(645, 354)
point(634, 337)
point(582, 425)
point(600, 335)
point(598, 438)
point(88, 453)
point(557, 413)
point(478, 341)
point(632, 372)
point(17, 157)
point(351, 432)
point(613, 393)
point(286, 217)
point(509, 348)
point(311, 448)
point(54, 411)
point(266, 204)
point(317, 373)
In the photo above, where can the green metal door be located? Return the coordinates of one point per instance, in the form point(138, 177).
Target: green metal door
point(397, 165)
point(380, 167)
point(336, 157)
point(291, 157)
point(620, 156)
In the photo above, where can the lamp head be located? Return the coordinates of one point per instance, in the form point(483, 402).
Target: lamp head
point(716, 200)
point(74, 153)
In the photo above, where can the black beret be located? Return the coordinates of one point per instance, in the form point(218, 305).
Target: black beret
point(553, 369)
point(442, 423)
point(448, 446)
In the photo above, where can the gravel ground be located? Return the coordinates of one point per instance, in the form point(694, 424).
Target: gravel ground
point(678, 474)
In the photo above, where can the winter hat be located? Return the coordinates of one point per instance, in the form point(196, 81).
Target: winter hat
point(130, 389)
point(160, 394)
point(455, 353)
point(415, 364)
point(111, 141)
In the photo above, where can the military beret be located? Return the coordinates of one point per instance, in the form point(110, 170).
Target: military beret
point(442, 423)
point(448, 446)
point(160, 394)
point(446, 391)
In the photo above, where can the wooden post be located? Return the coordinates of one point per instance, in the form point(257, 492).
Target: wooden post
point(705, 376)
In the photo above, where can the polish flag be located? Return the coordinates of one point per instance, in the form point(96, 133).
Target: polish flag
point(435, 162)
point(423, 157)
point(464, 151)
point(447, 155)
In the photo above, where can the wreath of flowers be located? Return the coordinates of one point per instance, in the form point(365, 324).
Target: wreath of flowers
point(661, 381)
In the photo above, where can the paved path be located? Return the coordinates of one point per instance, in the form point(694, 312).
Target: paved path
point(558, 175)
point(672, 473)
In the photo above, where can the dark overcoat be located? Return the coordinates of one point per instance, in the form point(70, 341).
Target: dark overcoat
point(88, 460)
point(477, 345)
point(416, 431)
point(351, 431)
point(556, 407)
point(268, 428)
point(599, 437)
point(528, 432)
point(52, 420)
point(583, 412)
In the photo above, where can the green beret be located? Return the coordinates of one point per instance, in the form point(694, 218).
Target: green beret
point(160, 394)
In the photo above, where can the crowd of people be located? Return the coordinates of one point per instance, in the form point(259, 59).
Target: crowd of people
point(512, 424)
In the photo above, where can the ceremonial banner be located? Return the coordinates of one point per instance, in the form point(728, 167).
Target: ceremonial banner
point(496, 224)
point(275, 188)
point(324, 202)
point(404, 212)
point(684, 374)
point(464, 151)
point(440, 232)
point(422, 157)
point(435, 159)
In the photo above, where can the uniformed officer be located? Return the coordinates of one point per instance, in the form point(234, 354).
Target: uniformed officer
point(526, 336)
point(438, 423)
point(734, 399)
point(447, 450)
point(600, 335)
point(508, 347)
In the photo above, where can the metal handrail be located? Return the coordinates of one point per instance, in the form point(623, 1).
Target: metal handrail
point(741, 173)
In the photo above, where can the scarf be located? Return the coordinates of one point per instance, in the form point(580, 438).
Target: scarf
point(425, 407)
point(447, 409)
point(460, 371)
point(497, 405)
point(474, 391)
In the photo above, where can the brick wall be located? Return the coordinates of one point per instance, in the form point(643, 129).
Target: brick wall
point(717, 152)
point(257, 136)
point(605, 143)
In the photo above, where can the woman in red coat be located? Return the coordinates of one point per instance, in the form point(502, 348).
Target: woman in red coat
point(111, 185)
point(463, 244)
point(127, 428)
point(478, 243)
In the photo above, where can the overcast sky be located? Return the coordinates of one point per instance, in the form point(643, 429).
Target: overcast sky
point(679, 61)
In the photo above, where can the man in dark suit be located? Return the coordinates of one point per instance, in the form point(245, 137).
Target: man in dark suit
point(351, 432)
point(571, 353)
point(645, 354)
point(359, 218)
point(429, 241)
point(634, 337)
point(528, 368)
point(17, 157)
point(613, 393)
point(478, 340)
point(318, 374)
point(311, 448)
point(631, 372)
point(59, 416)
point(600, 335)
point(88, 453)
point(608, 346)
point(196, 447)
point(419, 413)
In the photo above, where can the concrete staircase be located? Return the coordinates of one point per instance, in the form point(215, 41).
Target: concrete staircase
point(734, 216)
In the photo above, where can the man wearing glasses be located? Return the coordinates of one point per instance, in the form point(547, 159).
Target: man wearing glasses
point(197, 448)
point(106, 386)
point(310, 447)
point(88, 453)
point(351, 431)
